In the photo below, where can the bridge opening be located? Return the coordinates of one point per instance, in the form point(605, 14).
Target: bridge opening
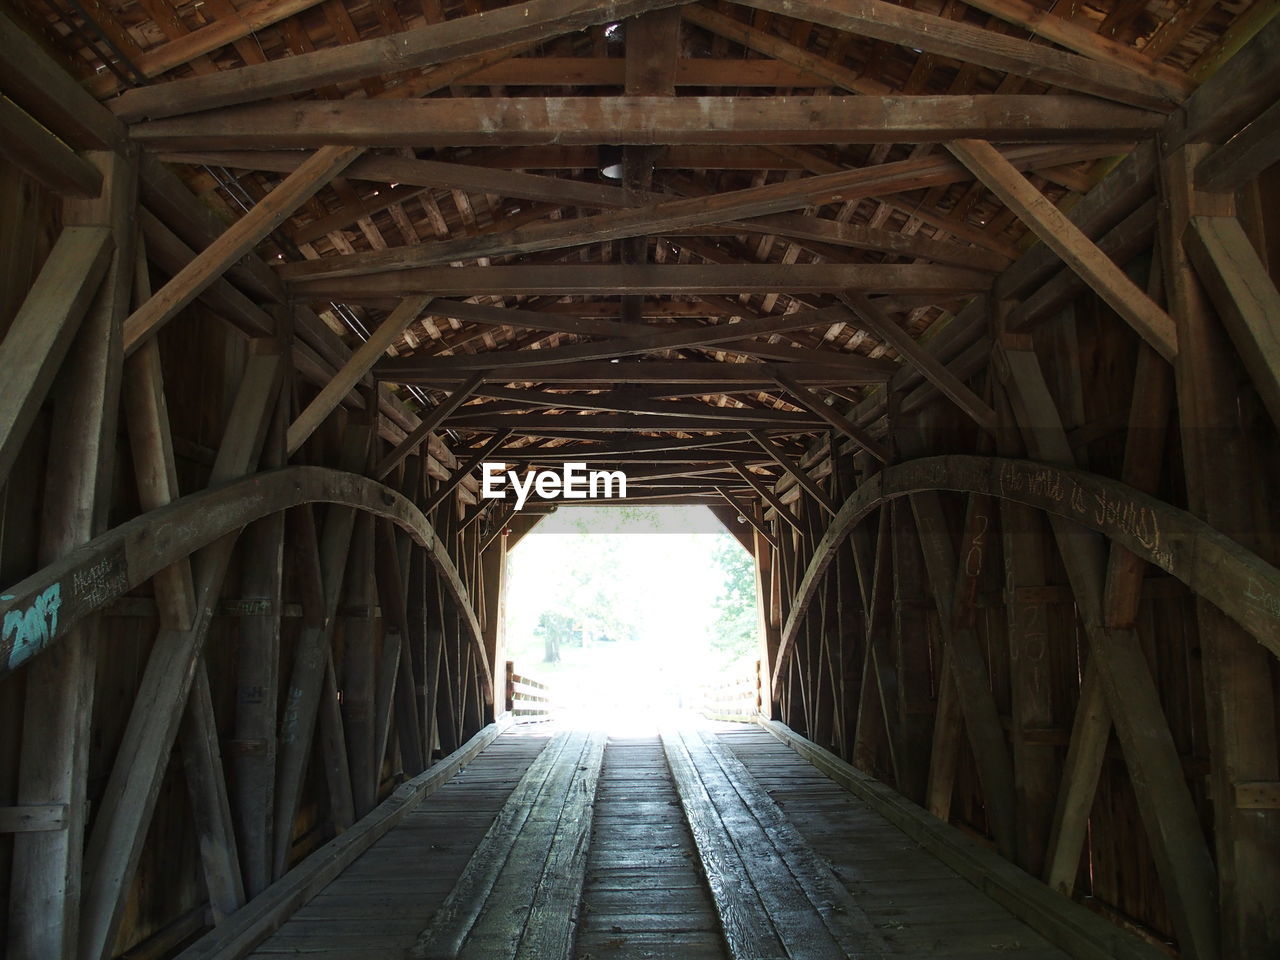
point(633, 616)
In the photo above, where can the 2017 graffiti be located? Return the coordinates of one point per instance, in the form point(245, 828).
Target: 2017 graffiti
point(25, 632)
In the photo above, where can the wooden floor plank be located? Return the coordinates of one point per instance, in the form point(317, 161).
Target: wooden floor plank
point(918, 905)
point(645, 898)
point(377, 907)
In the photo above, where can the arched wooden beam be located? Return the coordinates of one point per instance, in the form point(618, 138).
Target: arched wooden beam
point(1240, 583)
point(46, 605)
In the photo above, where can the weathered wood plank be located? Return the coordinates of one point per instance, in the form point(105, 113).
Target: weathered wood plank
point(1077, 930)
point(1245, 296)
point(816, 404)
point(236, 241)
point(1238, 582)
point(433, 419)
point(1218, 461)
point(1075, 249)
point(46, 893)
point(353, 371)
point(115, 843)
point(1244, 157)
point(42, 156)
point(430, 44)
point(530, 121)
point(660, 214)
point(268, 911)
point(44, 327)
point(1164, 799)
point(948, 384)
point(44, 88)
point(941, 35)
point(744, 917)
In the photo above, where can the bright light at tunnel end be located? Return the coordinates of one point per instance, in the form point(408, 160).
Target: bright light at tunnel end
point(573, 482)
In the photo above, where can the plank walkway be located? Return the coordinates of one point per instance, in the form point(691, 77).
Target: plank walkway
point(717, 843)
point(383, 901)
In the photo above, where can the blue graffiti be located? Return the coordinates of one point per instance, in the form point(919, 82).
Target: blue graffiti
point(28, 631)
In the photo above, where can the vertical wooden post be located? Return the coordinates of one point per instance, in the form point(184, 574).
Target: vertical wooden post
point(1035, 771)
point(494, 566)
point(1218, 462)
point(253, 758)
point(948, 571)
point(129, 800)
point(309, 688)
point(357, 668)
point(44, 898)
point(768, 627)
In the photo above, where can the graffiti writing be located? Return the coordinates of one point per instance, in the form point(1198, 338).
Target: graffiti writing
point(95, 585)
point(25, 632)
point(1260, 597)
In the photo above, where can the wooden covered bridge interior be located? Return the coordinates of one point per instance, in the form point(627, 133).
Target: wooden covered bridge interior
point(960, 314)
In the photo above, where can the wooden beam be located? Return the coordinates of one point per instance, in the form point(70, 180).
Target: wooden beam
point(704, 376)
point(797, 473)
point(119, 830)
point(1244, 157)
point(1078, 37)
point(917, 30)
point(1172, 825)
point(42, 331)
point(863, 237)
point(947, 569)
point(948, 384)
point(602, 71)
point(540, 424)
point(360, 363)
point(1241, 288)
point(465, 467)
point(749, 515)
point(424, 46)
point(240, 238)
point(1129, 185)
point(1078, 783)
point(321, 566)
point(777, 48)
point(222, 32)
point(434, 417)
point(528, 121)
point(168, 252)
point(42, 156)
point(1219, 450)
point(1128, 239)
point(155, 467)
point(1076, 250)
point(52, 765)
point(481, 414)
point(624, 401)
point(533, 320)
point(609, 280)
point(659, 215)
point(767, 495)
point(815, 404)
point(651, 342)
point(1246, 84)
point(165, 194)
point(388, 169)
point(47, 90)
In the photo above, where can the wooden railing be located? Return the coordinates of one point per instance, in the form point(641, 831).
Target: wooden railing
point(528, 701)
point(736, 698)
